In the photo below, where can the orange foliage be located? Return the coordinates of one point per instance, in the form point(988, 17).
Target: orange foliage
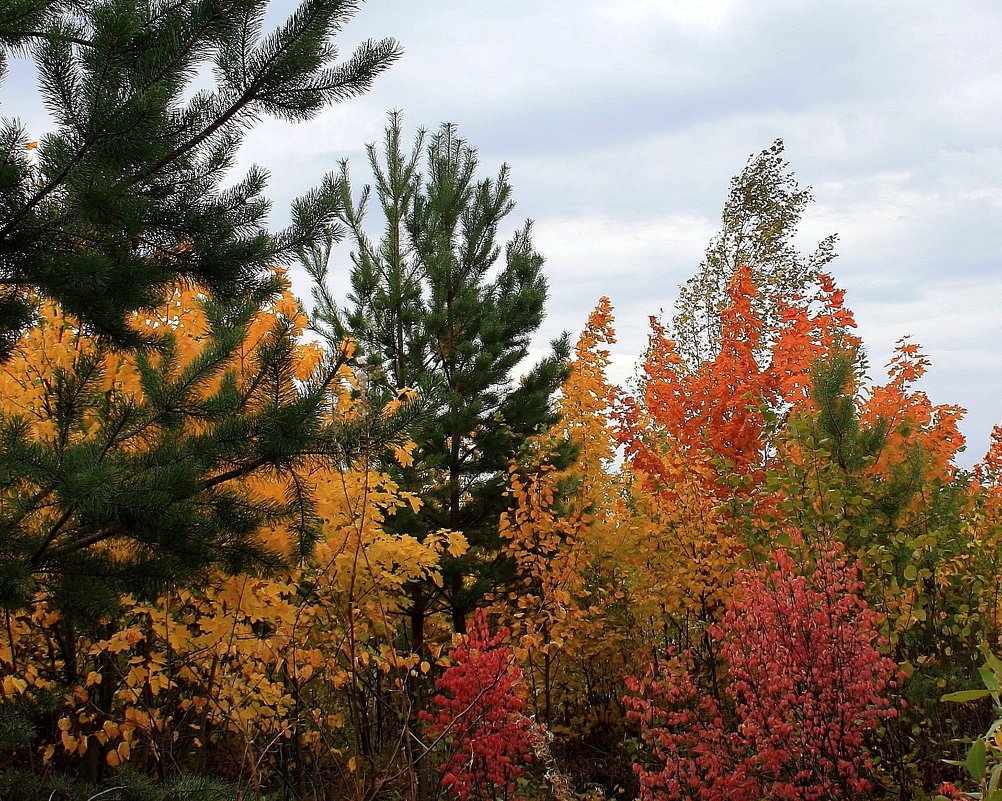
point(913, 421)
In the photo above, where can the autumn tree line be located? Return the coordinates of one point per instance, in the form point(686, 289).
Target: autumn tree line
point(358, 546)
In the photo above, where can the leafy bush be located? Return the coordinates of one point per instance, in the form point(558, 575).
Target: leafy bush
point(478, 716)
point(799, 686)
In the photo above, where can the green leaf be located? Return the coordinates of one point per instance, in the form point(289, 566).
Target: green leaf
point(911, 573)
point(990, 680)
point(993, 783)
point(993, 662)
point(964, 696)
point(976, 755)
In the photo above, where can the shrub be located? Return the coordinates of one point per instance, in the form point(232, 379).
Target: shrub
point(478, 717)
point(801, 684)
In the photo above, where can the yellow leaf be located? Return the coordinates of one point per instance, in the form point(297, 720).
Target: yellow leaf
point(404, 454)
point(457, 544)
point(391, 407)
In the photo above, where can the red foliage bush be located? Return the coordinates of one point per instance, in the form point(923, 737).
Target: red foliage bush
point(479, 717)
point(801, 686)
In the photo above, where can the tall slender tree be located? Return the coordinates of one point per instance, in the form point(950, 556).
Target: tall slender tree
point(436, 308)
point(759, 222)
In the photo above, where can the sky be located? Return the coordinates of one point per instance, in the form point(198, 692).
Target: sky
point(623, 122)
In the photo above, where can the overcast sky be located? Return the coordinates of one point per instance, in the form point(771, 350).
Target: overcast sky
point(624, 120)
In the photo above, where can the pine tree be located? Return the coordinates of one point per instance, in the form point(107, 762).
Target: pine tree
point(113, 486)
point(759, 221)
point(433, 310)
point(123, 198)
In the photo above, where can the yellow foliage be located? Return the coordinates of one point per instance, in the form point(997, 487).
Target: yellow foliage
point(249, 660)
point(574, 538)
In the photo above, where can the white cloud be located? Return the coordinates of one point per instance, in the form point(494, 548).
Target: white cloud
point(623, 123)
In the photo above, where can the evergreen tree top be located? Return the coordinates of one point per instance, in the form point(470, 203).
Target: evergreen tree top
point(124, 197)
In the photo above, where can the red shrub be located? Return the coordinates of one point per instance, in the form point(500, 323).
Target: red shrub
point(479, 717)
point(803, 683)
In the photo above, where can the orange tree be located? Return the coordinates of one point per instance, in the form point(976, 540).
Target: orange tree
point(780, 439)
point(698, 440)
point(567, 533)
point(615, 565)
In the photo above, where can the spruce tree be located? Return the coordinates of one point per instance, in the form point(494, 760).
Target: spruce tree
point(436, 306)
point(118, 207)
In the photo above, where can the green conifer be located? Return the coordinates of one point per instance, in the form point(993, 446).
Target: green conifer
point(123, 200)
point(438, 306)
point(124, 196)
